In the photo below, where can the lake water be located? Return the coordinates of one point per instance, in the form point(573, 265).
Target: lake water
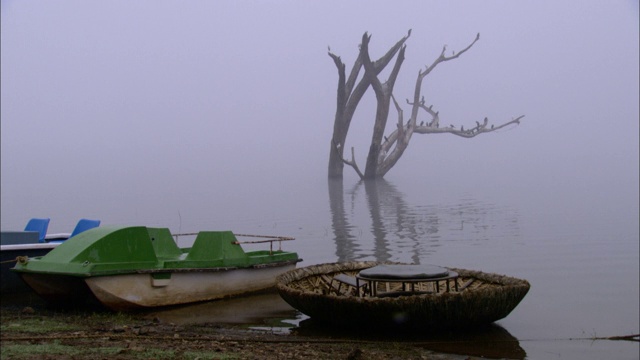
point(578, 248)
point(134, 122)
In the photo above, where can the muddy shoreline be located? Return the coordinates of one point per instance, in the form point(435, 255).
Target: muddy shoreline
point(38, 332)
point(252, 327)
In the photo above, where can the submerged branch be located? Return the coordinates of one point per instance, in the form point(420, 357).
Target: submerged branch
point(633, 337)
point(353, 163)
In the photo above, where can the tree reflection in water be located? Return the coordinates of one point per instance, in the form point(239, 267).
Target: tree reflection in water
point(401, 231)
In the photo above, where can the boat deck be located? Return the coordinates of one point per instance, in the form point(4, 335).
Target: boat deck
point(344, 284)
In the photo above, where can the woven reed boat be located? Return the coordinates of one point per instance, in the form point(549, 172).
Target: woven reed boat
point(474, 298)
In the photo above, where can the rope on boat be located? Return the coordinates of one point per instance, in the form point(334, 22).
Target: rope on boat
point(19, 259)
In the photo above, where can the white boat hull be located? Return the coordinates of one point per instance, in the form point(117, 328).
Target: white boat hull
point(10, 254)
point(127, 292)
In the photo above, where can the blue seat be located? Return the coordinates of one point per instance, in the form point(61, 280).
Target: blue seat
point(84, 225)
point(38, 225)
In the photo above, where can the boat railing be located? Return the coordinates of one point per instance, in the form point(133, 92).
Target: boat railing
point(267, 239)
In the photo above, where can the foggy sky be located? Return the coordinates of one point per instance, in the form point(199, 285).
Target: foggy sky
point(148, 96)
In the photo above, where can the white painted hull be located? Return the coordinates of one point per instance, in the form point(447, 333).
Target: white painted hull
point(126, 292)
point(10, 254)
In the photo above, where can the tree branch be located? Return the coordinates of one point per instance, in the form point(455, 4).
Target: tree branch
point(369, 71)
point(353, 163)
point(396, 69)
point(385, 151)
point(394, 136)
point(401, 137)
point(418, 103)
point(349, 96)
point(386, 58)
point(470, 132)
point(443, 58)
point(400, 125)
point(342, 93)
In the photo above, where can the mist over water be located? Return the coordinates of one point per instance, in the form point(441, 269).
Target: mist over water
point(582, 262)
point(219, 115)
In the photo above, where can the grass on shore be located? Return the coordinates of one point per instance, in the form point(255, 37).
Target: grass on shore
point(58, 349)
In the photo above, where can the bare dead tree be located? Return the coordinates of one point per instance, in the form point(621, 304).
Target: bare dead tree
point(385, 151)
point(349, 96)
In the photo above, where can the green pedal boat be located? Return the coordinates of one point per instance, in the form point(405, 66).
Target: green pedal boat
point(127, 268)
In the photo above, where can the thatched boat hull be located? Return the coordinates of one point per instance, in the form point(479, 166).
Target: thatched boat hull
point(493, 299)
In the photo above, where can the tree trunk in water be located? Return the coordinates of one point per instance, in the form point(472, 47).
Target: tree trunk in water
point(385, 151)
point(348, 97)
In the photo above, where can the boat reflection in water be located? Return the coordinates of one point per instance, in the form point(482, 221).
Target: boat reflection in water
point(490, 341)
point(268, 312)
point(262, 310)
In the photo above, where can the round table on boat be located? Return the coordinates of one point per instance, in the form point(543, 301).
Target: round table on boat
point(406, 274)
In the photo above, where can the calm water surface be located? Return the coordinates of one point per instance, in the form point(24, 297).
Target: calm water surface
point(578, 250)
point(580, 255)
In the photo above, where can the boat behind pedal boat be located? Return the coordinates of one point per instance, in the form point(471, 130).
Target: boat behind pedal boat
point(34, 241)
point(128, 268)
